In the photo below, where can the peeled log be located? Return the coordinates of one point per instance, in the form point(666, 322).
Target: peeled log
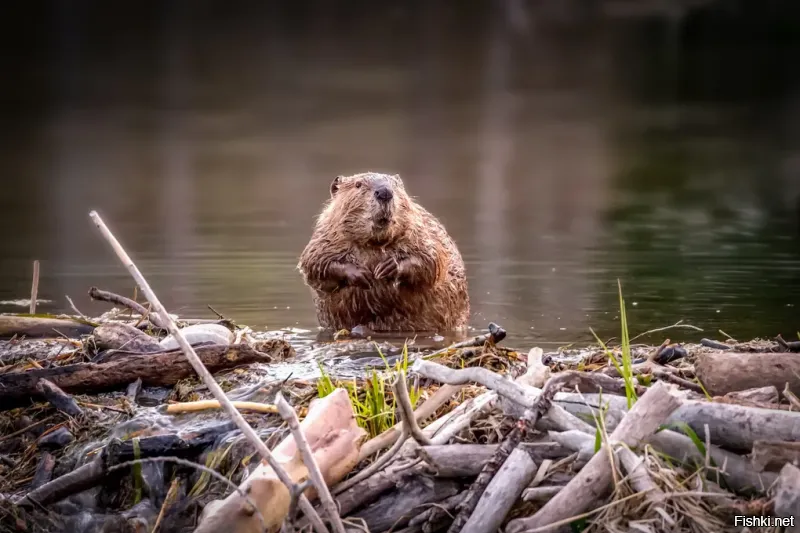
point(594, 480)
point(721, 373)
point(335, 440)
point(163, 369)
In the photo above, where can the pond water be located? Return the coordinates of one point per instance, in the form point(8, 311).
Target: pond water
point(564, 144)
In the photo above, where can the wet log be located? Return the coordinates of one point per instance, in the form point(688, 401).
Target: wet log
point(119, 336)
point(396, 509)
point(501, 493)
point(58, 398)
point(759, 395)
point(721, 373)
point(739, 475)
point(787, 497)
point(772, 455)
point(42, 327)
point(457, 460)
point(334, 438)
point(164, 369)
point(594, 480)
point(44, 470)
point(735, 427)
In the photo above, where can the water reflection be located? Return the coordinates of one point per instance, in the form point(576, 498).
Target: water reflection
point(563, 146)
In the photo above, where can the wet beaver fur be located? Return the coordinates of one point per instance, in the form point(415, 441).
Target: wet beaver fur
point(377, 259)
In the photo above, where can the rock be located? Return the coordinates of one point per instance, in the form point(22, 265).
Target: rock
point(197, 333)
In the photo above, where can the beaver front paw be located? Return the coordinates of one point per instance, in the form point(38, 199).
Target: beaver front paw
point(389, 268)
point(356, 276)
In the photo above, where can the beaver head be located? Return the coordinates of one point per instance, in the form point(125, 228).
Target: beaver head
point(368, 207)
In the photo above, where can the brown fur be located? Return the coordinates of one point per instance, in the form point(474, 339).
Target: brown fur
point(387, 266)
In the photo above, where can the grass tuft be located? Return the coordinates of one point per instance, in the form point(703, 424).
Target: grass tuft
point(626, 368)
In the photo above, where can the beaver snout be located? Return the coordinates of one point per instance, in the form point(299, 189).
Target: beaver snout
point(383, 193)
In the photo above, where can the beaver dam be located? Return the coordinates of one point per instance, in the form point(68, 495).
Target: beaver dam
point(142, 421)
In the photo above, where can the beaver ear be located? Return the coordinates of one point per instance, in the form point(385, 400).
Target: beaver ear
point(335, 185)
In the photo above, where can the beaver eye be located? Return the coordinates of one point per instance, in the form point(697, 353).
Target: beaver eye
point(358, 185)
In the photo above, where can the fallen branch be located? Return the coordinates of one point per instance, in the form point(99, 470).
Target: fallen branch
point(164, 369)
point(119, 336)
point(106, 296)
point(198, 364)
point(406, 410)
point(511, 441)
point(42, 327)
point(733, 426)
point(496, 334)
point(483, 376)
point(202, 405)
point(729, 372)
point(395, 509)
point(501, 493)
point(594, 479)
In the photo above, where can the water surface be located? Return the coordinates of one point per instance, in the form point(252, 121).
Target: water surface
point(565, 145)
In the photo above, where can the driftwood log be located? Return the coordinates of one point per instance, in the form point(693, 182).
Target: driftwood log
point(42, 327)
point(163, 369)
point(721, 373)
point(594, 480)
point(334, 438)
point(395, 509)
point(120, 336)
point(787, 497)
point(772, 455)
point(501, 493)
point(732, 426)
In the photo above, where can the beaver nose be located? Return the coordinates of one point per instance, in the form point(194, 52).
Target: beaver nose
point(383, 193)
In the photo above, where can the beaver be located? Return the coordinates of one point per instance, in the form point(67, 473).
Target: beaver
point(379, 260)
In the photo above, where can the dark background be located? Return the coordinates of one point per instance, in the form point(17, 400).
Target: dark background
point(563, 143)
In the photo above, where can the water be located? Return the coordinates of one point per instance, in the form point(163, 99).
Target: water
point(563, 144)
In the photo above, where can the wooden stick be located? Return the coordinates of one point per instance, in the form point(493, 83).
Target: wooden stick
point(502, 492)
point(594, 479)
point(201, 370)
point(35, 286)
point(202, 405)
point(288, 414)
point(404, 403)
point(483, 376)
point(428, 408)
point(106, 296)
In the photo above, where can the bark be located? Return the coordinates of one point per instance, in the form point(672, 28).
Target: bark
point(164, 369)
point(731, 372)
point(119, 336)
point(42, 327)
